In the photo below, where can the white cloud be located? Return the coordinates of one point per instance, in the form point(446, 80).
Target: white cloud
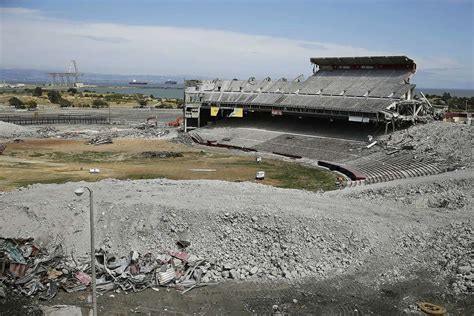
point(30, 40)
point(18, 11)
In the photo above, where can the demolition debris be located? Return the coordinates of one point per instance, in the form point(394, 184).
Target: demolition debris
point(30, 270)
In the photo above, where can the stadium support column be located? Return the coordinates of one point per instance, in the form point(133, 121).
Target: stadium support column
point(199, 117)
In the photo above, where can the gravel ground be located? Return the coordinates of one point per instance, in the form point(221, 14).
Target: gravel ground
point(254, 232)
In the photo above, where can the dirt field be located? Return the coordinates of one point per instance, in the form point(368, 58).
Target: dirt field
point(59, 161)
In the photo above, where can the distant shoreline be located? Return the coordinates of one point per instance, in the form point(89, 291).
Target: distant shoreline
point(453, 92)
point(120, 86)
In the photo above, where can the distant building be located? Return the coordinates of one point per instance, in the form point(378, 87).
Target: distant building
point(458, 117)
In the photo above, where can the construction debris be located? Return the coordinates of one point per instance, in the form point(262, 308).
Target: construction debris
point(183, 138)
point(33, 271)
point(100, 140)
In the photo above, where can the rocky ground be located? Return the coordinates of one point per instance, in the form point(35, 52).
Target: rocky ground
point(253, 232)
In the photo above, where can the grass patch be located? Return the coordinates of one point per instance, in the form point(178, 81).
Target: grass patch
point(290, 175)
point(35, 154)
point(83, 157)
point(58, 180)
point(302, 177)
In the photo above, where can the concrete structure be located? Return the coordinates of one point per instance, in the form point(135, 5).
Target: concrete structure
point(359, 89)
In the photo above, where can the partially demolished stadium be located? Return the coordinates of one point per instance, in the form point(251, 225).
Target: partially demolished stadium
point(357, 89)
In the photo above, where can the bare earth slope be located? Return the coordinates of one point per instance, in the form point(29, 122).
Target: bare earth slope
point(371, 232)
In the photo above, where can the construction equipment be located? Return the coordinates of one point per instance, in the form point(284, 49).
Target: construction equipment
point(177, 122)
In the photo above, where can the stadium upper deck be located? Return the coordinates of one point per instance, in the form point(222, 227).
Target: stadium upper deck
point(360, 88)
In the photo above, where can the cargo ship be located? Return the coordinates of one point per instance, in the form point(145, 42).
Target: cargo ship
point(134, 81)
point(171, 82)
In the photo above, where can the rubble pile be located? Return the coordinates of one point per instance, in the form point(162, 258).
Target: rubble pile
point(453, 249)
point(249, 245)
point(246, 231)
point(102, 132)
point(145, 130)
point(47, 132)
point(447, 143)
point(30, 270)
point(271, 246)
point(183, 138)
point(8, 130)
point(446, 194)
point(100, 140)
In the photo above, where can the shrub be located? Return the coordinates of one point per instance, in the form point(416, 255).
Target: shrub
point(72, 90)
point(99, 103)
point(142, 102)
point(64, 103)
point(17, 103)
point(31, 104)
point(54, 96)
point(37, 92)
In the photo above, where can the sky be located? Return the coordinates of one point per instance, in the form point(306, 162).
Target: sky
point(238, 39)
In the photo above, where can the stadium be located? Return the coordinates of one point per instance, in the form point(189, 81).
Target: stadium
point(327, 118)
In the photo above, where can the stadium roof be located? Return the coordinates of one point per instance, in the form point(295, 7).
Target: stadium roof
point(368, 60)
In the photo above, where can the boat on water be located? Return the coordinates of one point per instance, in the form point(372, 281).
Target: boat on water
point(171, 82)
point(134, 81)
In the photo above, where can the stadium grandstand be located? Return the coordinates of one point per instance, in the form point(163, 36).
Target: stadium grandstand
point(357, 89)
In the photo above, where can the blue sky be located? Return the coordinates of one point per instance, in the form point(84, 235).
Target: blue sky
point(241, 38)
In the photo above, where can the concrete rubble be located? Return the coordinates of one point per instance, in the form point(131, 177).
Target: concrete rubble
point(447, 143)
point(450, 194)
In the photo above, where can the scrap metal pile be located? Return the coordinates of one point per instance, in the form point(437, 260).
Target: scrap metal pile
point(27, 269)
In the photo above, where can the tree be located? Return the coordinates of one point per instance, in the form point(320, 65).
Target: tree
point(72, 90)
point(17, 103)
point(446, 96)
point(64, 103)
point(54, 96)
point(99, 103)
point(37, 92)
